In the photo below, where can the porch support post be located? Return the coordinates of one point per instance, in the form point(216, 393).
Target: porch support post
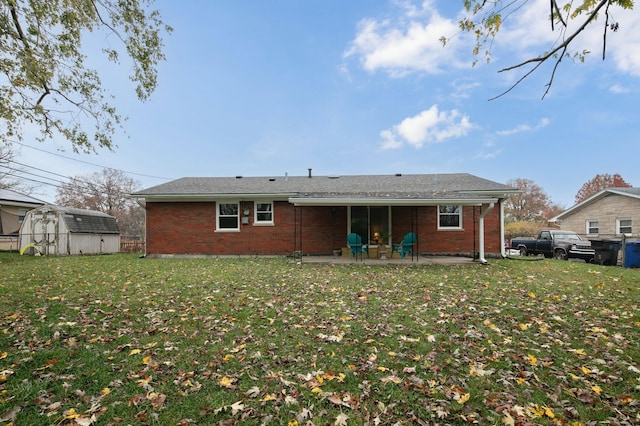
point(481, 232)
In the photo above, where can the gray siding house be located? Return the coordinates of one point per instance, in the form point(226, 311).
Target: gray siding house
point(611, 213)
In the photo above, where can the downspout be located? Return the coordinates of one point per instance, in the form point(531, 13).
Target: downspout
point(481, 232)
point(502, 250)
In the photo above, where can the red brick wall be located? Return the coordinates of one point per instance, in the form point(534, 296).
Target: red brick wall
point(460, 241)
point(190, 228)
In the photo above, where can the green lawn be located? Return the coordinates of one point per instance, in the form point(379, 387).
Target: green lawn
point(122, 340)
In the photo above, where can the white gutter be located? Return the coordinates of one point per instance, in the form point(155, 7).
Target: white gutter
point(481, 231)
point(299, 201)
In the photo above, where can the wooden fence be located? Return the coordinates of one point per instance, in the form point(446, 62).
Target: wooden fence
point(132, 245)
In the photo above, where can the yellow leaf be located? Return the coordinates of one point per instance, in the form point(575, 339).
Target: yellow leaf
point(532, 295)
point(226, 382)
point(134, 352)
point(146, 359)
point(520, 380)
point(293, 422)
point(580, 352)
point(381, 368)
point(532, 359)
point(585, 370)
point(391, 353)
point(597, 389)
point(105, 391)
point(269, 397)
point(548, 412)
point(523, 326)
point(3, 355)
point(316, 390)
point(72, 414)
point(463, 398)
point(536, 411)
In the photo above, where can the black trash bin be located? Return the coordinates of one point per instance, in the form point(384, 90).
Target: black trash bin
point(606, 251)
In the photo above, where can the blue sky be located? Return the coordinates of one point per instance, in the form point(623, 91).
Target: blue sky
point(259, 88)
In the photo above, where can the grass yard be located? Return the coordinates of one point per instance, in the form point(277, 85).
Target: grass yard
point(117, 339)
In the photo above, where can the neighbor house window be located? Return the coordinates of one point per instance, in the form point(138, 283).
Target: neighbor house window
point(624, 226)
point(449, 217)
point(264, 213)
point(21, 214)
point(592, 227)
point(228, 216)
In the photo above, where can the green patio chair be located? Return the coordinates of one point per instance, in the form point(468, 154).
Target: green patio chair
point(354, 242)
point(406, 246)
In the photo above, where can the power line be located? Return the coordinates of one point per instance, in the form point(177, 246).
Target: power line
point(88, 162)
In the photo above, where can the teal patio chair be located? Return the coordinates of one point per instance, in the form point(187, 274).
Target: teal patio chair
point(406, 246)
point(354, 242)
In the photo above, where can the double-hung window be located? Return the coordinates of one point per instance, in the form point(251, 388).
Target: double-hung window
point(624, 226)
point(449, 217)
point(263, 213)
point(228, 217)
point(592, 227)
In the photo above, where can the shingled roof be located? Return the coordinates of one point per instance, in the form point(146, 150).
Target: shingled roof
point(15, 198)
point(83, 221)
point(423, 188)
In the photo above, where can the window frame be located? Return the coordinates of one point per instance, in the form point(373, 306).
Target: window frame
point(256, 212)
point(459, 215)
point(589, 226)
point(219, 204)
point(619, 226)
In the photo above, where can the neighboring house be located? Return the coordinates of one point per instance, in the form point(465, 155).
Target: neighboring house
point(13, 208)
point(56, 230)
point(611, 213)
point(453, 214)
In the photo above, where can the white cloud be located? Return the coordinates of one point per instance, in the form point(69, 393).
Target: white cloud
point(409, 44)
point(429, 126)
point(617, 88)
point(524, 128)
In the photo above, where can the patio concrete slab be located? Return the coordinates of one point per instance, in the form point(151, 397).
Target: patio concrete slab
point(416, 261)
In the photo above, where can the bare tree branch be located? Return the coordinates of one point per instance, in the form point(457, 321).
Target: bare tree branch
point(561, 47)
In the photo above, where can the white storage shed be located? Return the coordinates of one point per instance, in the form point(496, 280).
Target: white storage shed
point(55, 230)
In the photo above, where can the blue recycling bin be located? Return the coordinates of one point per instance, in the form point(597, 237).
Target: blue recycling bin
point(632, 254)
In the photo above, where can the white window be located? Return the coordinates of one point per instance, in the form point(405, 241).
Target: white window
point(592, 227)
point(449, 217)
point(624, 226)
point(228, 217)
point(263, 213)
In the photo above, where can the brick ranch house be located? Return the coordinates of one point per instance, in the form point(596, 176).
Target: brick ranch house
point(452, 214)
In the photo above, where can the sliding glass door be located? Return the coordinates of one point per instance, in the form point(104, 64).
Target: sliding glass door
point(371, 223)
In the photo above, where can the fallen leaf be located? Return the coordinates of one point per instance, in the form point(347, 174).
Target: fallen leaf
point(227, 382)
point(341, 420)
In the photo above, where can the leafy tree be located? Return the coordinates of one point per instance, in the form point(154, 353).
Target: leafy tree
point(528, 206)
point(106, 191)
point(598, 183)
point(568, 18)
point(44, 79)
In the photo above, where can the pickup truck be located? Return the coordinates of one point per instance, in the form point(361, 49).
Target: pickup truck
point(557, 244)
